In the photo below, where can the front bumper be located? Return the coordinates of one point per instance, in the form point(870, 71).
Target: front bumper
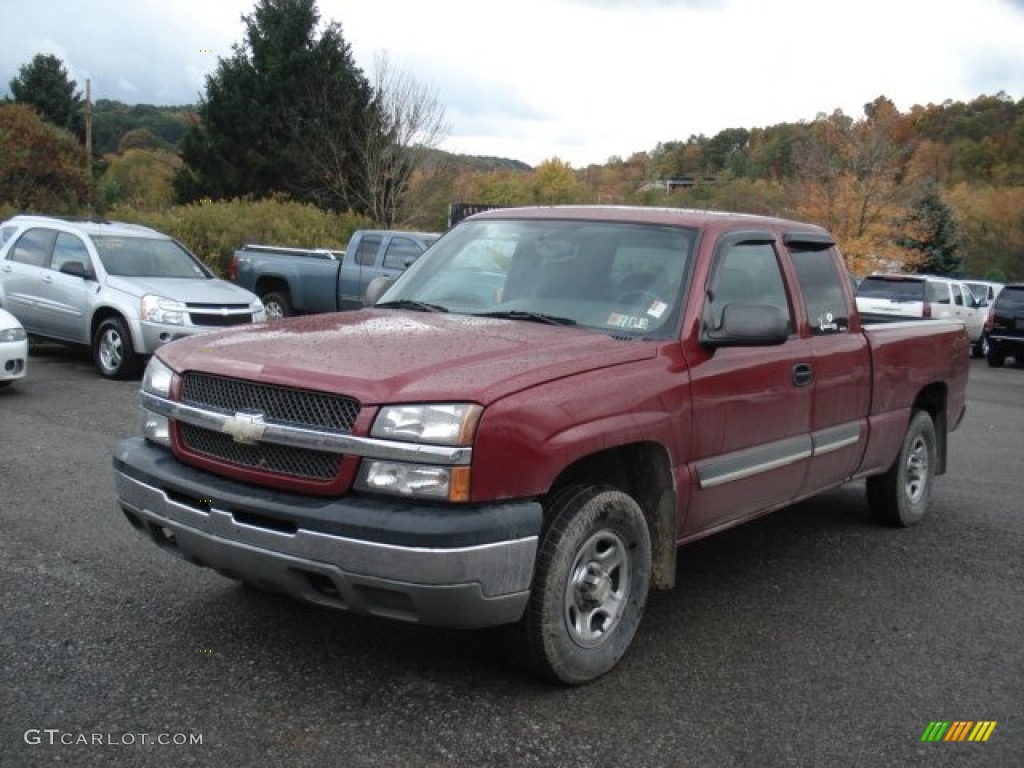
point(155, 335)
point(442, 565)
point(13, 359)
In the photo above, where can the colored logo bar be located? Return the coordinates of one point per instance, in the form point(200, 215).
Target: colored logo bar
point(958, 730)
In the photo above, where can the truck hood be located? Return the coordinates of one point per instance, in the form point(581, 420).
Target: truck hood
point(381, 356)
point(184, 289)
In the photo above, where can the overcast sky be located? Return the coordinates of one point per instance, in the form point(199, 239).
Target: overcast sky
point(581, 80)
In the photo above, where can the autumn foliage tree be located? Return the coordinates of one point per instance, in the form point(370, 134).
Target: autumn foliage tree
point(42, 167)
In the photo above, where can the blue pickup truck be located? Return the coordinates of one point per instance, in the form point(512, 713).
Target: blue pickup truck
point(293, 281)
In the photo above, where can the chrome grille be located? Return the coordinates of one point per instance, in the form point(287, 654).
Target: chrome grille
point(285, 460)
point(315, 410)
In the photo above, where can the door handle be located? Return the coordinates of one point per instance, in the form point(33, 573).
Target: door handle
point(803, 374)
point(7, 268)
point(47, 279)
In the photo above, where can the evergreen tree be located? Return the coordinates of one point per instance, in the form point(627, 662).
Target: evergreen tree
point(932, 236)
point(284, 83)
point(44, 85)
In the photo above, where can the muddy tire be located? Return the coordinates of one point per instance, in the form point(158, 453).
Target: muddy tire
point(900, 496)
point(589, 587)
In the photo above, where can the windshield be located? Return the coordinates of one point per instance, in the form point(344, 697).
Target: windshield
point(147, 257)
point(616, 278)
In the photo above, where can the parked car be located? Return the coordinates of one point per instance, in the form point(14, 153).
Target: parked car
point(122, 289)
point(294, 281)
point(891, 297)
point(528, 447)
point(1005, 326)
point(13, 349)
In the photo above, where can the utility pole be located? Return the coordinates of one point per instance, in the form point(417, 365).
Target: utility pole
point(87, 113)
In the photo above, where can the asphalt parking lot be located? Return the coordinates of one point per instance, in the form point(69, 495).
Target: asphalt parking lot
point(811, 637)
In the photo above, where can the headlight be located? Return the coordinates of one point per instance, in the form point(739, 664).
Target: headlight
point(13, 334)
point(423, 481)
point(259, 312)
point(156, 309)
point(157, 381)
point(440, 424)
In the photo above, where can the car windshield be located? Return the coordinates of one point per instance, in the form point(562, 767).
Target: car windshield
point(147, 257)
point(622, 279)
point(894, 288)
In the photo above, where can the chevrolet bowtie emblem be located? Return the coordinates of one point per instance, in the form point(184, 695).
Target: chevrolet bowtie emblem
point(245, 428)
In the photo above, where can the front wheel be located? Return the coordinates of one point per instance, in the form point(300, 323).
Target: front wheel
point(589, 588)
point(900, 496)
point(113, 351)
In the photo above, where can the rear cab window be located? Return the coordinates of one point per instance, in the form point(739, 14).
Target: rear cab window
point(821, 284)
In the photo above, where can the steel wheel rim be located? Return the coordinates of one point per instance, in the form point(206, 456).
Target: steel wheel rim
point(597, 589)
point(917, 470)
point(274, 311)
point(111, 349)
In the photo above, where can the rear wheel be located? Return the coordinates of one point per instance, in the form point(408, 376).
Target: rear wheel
point(900, 496)
point(994, 356)
point(277, 305)
point(589, 588)
point(113, 352)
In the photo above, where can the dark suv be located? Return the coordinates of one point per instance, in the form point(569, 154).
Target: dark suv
point(1005, 326)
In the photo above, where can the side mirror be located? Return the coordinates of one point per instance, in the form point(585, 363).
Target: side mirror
point(75, 268)
point(748, 325)
point(377, 288)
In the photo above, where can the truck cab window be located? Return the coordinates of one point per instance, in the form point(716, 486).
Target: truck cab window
point(401, 253)
point(822, 289)
point(747, 273)
point(366, 254)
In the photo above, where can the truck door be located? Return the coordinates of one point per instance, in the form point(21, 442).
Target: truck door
point(751, 406)
point(358, 269)
point(840, 363)
point(63, 300)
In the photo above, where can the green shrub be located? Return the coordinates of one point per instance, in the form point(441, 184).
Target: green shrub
point(215, 230)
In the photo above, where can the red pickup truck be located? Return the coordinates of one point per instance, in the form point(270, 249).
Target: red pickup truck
point(532, 419)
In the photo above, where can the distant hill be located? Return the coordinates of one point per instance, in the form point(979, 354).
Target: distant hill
point(113, 119)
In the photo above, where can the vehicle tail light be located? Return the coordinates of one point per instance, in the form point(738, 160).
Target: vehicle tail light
point(233, 269)
point(990, 318)
point(926, 309)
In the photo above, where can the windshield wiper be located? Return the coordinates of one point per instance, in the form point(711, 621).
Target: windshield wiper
point(536, 317)
point(420, 306)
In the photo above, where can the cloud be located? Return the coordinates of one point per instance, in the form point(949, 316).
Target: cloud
point(581, 80)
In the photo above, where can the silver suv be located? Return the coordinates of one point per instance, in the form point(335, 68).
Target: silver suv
point(121, 289)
